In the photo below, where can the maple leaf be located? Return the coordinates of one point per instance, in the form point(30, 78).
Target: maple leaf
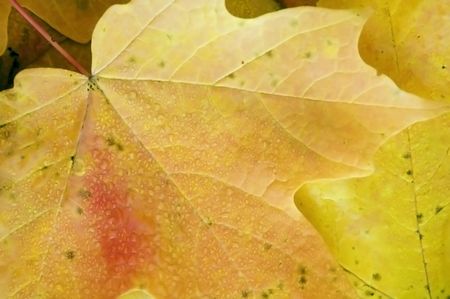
point(83, 13)
point(135, 178)
point(391, 230)
point(115, 219)
point(404, 40)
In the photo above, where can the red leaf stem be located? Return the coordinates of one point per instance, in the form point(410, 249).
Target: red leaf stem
point(47, 36)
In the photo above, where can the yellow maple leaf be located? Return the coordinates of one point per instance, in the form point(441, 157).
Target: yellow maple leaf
point(173, 168)
point(406, 40)
point(391, 230)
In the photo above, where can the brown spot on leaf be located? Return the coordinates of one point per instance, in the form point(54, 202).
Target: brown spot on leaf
point(70, 254)
point(369, 293)
point(376, 276)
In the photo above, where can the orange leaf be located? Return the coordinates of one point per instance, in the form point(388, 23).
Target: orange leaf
point(173, 168)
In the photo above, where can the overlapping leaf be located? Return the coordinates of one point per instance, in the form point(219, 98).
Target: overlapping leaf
point(407, 40)
point(174, 167)
point(26, 48)
point(74, 18)
point(390, 230)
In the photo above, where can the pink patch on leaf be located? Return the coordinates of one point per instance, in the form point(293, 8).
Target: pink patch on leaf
point(125, 241)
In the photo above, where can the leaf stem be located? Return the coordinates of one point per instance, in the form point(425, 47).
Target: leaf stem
point(50, 40)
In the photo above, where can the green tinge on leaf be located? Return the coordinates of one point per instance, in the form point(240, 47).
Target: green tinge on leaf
point(136, 294)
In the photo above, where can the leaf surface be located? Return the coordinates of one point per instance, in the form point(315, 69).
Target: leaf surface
point(112, 218)
point(173, 169)
point(326, 107)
